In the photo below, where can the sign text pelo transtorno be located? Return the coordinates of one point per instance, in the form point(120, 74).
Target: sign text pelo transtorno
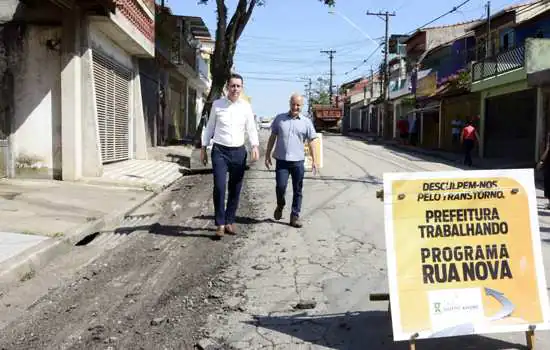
point(464, 253)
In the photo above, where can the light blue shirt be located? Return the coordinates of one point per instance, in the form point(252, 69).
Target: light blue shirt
point(292, 133)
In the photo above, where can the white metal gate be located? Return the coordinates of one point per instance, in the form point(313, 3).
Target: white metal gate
point(112, 95)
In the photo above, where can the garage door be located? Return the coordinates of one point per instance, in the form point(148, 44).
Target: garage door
point(112, 95)
point(510, 126)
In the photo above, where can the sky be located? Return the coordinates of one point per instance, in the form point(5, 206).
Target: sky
point(280, 47)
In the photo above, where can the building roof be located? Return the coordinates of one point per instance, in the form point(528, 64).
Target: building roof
point(425, 29)
point(198, 27)
point(451, 25)
point(508, 9)
point(349, 84)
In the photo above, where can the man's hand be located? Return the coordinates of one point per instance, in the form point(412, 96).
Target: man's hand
point(255, 153)
point(204, 156)
point(314, 168)
point(268, 162)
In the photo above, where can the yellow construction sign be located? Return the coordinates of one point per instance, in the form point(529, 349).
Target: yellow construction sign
point(464, 253)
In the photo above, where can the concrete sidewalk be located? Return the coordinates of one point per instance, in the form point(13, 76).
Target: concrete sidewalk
point(40, 219)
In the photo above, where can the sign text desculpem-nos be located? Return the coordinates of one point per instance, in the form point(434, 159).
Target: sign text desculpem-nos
point(464, 253)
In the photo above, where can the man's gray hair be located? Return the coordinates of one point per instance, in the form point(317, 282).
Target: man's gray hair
point(297, 95)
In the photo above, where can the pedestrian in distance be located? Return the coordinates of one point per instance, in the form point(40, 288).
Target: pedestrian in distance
point(289, 132)
point(544, 165)
point(230, 118)
point(468, 139)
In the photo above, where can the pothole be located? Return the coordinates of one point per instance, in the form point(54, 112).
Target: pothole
point(88, 239)
point(10, 195)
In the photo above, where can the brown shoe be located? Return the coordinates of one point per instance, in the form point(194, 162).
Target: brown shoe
point(231, 229)
point(295, 222)
point(220, 231)
point(278, 214)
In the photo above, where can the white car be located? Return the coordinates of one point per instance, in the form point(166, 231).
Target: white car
point(265, 124)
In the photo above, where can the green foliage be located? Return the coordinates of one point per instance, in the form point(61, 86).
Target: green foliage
point(320, 92)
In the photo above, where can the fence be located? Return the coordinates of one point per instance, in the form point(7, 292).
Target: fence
point(498, 64)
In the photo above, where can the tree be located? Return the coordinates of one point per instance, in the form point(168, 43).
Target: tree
point(227, 36)
point(320, 92)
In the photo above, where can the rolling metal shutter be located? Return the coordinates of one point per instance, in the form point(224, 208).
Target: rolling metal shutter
point(112, 95)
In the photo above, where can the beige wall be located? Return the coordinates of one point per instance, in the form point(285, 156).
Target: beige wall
point(36, 137)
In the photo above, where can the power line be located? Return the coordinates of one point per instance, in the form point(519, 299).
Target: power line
point(297, 80)
point(364, 61)
point(454, 9)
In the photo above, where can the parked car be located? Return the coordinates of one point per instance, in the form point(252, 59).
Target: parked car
point(265, 123)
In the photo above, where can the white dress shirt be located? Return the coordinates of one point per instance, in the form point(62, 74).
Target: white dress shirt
point(228, 122)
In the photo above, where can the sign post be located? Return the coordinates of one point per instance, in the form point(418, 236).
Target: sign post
point(464, 254)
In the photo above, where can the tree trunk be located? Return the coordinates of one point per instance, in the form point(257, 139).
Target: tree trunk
point(221, 70)
point(224, 51)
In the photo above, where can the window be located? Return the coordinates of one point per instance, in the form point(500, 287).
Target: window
point(507, 40)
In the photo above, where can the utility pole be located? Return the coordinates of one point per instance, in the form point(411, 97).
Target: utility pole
point(385, 16)
point(488, 43)
point(308, 92)
point(331, 57)
point(371, 83)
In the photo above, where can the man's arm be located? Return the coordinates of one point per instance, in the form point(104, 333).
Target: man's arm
point(270, 144)
point(208, 131)
point(271, 141)
point(312, 148)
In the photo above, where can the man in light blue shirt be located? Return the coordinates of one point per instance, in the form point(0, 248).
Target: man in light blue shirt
point(289, 132)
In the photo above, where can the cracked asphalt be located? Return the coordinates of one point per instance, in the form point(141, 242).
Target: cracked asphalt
point(309, 288)
point(164, 284)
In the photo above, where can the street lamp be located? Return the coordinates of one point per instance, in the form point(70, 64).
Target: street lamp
point(334, 12)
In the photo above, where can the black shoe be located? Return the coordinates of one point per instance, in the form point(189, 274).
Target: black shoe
point(278, 214)
point(295, 222)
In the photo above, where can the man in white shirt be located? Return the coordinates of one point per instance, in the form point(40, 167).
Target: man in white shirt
point(230, 118)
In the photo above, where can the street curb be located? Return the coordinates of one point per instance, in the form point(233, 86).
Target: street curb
point(31, 260)
point(375, 140)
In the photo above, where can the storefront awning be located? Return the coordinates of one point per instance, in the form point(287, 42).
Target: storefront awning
point(432, 107)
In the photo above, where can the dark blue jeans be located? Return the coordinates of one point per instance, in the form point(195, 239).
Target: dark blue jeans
point(295, 170)
point(225, 160)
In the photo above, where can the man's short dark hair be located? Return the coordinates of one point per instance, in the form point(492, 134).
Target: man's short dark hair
point(235, 76)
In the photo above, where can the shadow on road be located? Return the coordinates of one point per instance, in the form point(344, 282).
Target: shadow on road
point(170, 230)
point(370, 180)
point(365, 330)
point(243, 220)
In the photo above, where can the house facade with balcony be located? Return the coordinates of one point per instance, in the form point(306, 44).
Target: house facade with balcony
point(399, 81)
point(71, 92)
point(511, 106)
point(358, 98)
point(430, 59)
point(177, 79)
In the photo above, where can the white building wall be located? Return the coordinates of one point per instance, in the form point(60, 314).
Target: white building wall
point(37, 117)
point(102, 42)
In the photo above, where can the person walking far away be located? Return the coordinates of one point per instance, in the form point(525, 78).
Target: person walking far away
point(544, 164)
point(468, 139)
point(230, 117)
point(289, 131)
